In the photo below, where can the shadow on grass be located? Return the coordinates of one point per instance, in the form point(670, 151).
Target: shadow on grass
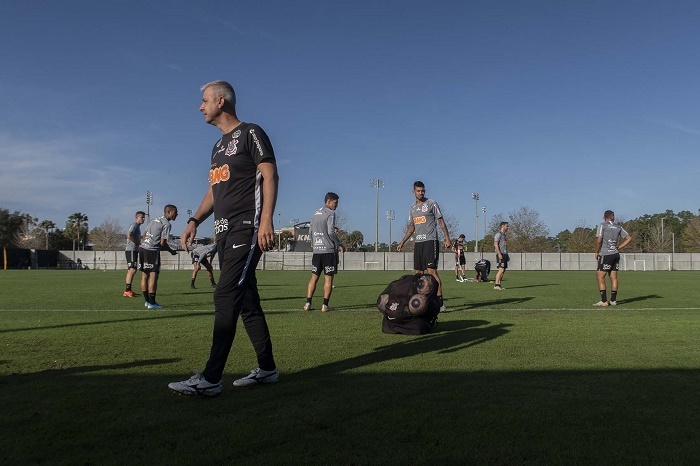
point(326, 416)
point(453, 307)
point(97, 368)
point(639, 298)
point(532, 286)
point(115, 321)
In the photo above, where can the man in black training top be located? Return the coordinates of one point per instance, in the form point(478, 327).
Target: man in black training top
point(242, 195)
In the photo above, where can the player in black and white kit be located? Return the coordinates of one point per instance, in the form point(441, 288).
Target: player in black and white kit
point(242, 195)
point(500, 244)
point(607, 254)
point(460, 258)
point(424, 216)
point(202, 256)
point(133, 240)
point(326, 245)
point(155, 239)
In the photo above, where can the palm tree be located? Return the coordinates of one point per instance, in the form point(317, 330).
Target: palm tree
point(356, 239)
point(75, 225)
point(47, 225)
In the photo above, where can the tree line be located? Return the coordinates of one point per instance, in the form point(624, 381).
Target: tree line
point(660, 232)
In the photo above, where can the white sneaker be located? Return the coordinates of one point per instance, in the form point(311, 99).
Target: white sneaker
point(146, 304)
point(325, 308)
point(258, 376)
point(196, 385)
point(307, 306)
point(601, 304)
point(612, 303)
point(442, 308)
point(498, 288)
point(154, 306)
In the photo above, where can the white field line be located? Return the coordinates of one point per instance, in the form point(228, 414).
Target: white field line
point(476, 309)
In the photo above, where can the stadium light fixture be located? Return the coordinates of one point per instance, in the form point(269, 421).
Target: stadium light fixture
point(149, 202)
point(376, 183)
point(483, 211)
point(390, 215)
point(475, 196)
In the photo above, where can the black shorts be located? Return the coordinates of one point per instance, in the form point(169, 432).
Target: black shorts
point(149, 261)
point(425, 255)
point(204, 261)
point(502, 264)
point(610, 263)
point(461, 259)
point(132, 259)
point(326, 263)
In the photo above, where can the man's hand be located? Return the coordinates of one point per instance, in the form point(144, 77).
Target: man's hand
point(266, 236)
point(188, 235)
point(448, 243)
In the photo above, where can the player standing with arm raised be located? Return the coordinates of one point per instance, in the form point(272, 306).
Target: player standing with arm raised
point(607, 255)
point(242, 194)
point(424, 215)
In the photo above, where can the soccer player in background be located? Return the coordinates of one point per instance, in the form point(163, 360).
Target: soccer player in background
point(326, 246)
point(242, 195)
point(133, 240)
point(460, 259)
point(155, 240)
point(424, 216)
point(202, 256)
point(607, 254)
point(500, 244)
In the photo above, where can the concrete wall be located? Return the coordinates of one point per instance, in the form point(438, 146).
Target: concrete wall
point(116, 260)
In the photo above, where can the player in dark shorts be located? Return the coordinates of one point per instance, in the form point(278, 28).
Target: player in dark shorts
point(424, 216)
point(500, 244)
point(326, 245)
point(155, 239)
point(133, 240)
point(460, 259)
point(607, 254)
point(201, 257)
point(242, 193)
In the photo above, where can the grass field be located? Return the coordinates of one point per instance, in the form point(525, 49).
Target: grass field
point(533, 374)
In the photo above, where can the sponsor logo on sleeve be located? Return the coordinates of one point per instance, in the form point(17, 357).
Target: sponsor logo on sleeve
point(257, 143)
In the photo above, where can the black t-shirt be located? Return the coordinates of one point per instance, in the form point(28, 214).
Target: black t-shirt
point(235, 180)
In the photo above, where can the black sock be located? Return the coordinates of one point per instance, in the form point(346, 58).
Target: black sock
point(613, 295)
point(128, 287)
point(152, 298)
point(325, 301)
point(440, 302)
point(308, 300)
point(145, 295)
point(603, 296)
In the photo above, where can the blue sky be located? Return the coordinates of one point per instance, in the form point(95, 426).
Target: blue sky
point(567, 107)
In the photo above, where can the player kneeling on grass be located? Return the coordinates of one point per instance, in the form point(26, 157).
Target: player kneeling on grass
point(607, 254)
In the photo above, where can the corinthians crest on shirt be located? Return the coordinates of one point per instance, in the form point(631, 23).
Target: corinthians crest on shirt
point(232, 147)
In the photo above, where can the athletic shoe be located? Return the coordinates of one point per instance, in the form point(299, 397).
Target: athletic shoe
point(258, 376)
point(213, 284)
point(155, 306)
point(601, 304)
point(129, 294)
point(307, 306)
point(443, 308)
point(498, 287)
point(146, 304)
point(613, 303)
point(192, 286)
point(325, 308)
point(196, 385)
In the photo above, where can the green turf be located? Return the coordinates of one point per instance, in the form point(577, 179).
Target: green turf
point(533, 374)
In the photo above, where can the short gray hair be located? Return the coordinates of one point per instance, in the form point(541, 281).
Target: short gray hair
point(223, 89)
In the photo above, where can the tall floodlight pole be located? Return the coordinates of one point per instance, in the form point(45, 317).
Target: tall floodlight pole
point(389, 216)
point(475, 196)
point(149, 202)
point(662, 233)
point(483, 211)
point(376, 183)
